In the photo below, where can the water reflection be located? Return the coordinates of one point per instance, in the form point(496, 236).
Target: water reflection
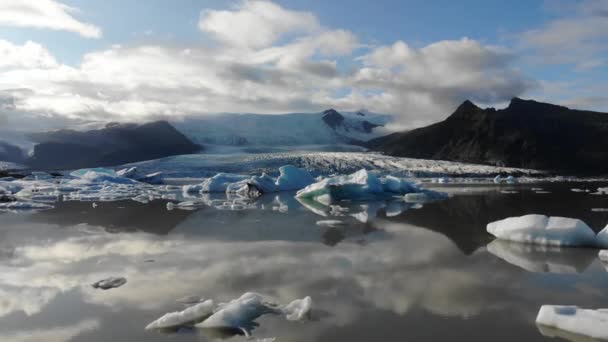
point(393, 277)
point(535, 258)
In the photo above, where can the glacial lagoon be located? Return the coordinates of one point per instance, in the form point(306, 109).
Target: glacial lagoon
point(390, 271)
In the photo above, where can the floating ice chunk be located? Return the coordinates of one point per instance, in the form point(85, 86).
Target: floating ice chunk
point(82, 172)
point(220, 182)
point(240, 314)
point(591, 323)
point(543, 259)
point(299, 309)
point(543, 230)
point(189, 316)
point(19, 206)
point(599, 210)
point(602, 191)
point(498, 179)
point(330, 223)
point(601, 239)
point(359, 185)
point(191, 189)
point(578, 190)
point(110, 283)
point(98, 175)
point(511, 179)
point(293, 178)
point(509, 192)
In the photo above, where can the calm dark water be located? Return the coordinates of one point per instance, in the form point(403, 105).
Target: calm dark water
point(430, 273)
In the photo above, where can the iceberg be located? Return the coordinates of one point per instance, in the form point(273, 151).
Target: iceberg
point(601, 239)
point(189, 316)
point(109, 283)
point(361, 185)
point(543, 230)
point(220, 182)
point(292, 178)
point(572, 319)
point(240, 314)
point(99, 175)
point(299, 309)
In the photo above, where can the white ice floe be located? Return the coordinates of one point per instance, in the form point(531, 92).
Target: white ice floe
point(189, 316)
point(601, 240)
point(584, 322)
point(599, 210)
point(299, 309)
point(109, 283)
point(330, 223)
point(543, 230)
point(22, 206)
point(603, 255)
point(361, 185)
point(290, 178)
point(240, 314)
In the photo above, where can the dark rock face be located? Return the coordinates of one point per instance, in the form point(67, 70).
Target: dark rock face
point(113, 145)
point(11, 153)
point(526, 134)
point(332, 118)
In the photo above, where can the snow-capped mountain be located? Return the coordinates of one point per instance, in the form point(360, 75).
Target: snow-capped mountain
point(326, 128)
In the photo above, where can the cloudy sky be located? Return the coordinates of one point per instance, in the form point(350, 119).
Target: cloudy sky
point(65, 61)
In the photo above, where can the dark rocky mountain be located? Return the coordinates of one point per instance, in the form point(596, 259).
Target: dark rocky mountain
point(113, 145)
point(526, 134)
point(11, 153)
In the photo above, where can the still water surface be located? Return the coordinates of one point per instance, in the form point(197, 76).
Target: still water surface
point(430, 273)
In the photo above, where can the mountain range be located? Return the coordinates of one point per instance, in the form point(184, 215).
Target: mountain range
point(526, 134)
point(112, 145)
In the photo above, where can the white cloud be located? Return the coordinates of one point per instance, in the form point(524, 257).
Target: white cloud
point(45, 14)
point(255, 23)
point(578, 36)
point(29, 56)
point(294, 65)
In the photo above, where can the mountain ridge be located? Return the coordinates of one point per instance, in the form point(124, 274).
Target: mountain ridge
point(526, 134)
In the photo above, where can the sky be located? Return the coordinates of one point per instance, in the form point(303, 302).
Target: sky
point(65, 62)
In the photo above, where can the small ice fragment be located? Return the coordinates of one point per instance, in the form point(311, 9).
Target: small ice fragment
point(599, 210)
point(543, 230)
point(240, 314)
point(299, 309)
point(18, 206)
point(330, 223)
point(189, 316)
point(591, 323)
point(110, 283)
point(498, 179)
